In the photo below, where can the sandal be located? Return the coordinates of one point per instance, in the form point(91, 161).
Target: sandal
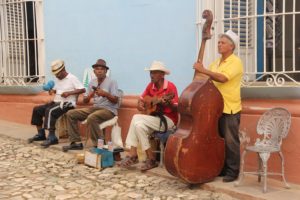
point(128, 161)
point(149, 164)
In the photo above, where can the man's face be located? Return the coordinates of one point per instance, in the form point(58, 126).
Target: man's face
point(100, 72)
point(156, 76)
point(60, 75)
point(225, 45)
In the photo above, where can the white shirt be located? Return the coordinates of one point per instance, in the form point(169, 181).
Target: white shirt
point(69, 83)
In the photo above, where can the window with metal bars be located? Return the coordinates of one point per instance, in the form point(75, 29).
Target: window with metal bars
point(235, 18)
point(21, 42)
point(269, 38)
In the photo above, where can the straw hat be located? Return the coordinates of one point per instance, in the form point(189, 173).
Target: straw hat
point(158, 66)
point(57, 66)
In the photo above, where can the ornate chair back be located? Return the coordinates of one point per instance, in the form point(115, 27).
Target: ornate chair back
point(273, 125)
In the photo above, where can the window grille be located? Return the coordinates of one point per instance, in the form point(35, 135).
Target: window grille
point(269, 40)
point(234, 10)
point(21, 42)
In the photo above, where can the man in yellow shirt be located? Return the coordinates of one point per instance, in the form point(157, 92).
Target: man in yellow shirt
point(226, 73)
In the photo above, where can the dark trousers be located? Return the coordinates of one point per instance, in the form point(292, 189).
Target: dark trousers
point(50, 112)
point(229, 130)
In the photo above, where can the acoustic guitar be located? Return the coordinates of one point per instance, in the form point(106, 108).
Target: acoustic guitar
point(151, 103)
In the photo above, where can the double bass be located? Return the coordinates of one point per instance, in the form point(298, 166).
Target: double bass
point(195, 152)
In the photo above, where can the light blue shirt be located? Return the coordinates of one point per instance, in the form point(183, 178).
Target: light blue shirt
point(109, 86)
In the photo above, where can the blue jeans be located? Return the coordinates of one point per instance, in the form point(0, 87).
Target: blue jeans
point(229, 130)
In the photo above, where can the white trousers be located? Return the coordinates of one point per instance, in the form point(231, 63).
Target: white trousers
point(141, 127)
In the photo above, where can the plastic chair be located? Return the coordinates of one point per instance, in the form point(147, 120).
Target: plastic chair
point(273, 126)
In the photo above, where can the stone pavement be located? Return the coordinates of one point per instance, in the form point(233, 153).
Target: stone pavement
point(30, 172)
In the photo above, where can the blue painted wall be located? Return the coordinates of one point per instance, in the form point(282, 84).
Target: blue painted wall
point(128, 34)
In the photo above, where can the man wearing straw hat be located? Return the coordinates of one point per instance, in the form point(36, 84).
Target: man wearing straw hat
point(164, 117)
point(227, 72)
point(66, 89)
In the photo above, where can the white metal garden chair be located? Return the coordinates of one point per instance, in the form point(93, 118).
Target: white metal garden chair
point(273, 126)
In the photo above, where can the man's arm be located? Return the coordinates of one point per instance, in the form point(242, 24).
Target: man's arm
point(110, 97)
point(141, 105)
point(171, 105)
point(173, 102)
point(86, 99)
point(213, 75)
point(51, 92)
point(74, 92)
point(100, 92)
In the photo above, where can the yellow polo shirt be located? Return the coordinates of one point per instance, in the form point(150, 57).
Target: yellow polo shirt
point(232, 68)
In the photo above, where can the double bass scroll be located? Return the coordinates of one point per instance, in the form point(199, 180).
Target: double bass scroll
point(206, 35)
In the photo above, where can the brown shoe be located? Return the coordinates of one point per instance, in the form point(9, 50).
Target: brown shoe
point(149, 164)
point(128, 161)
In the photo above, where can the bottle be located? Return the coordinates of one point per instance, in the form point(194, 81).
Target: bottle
point(100, 144)
point(110, 146)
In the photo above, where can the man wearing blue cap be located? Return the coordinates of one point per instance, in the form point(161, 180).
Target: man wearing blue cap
point(66, 89)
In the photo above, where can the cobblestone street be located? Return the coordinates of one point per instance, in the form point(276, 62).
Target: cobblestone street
point(29, 172)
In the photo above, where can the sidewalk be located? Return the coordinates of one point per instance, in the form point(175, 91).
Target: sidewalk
point(249, 190)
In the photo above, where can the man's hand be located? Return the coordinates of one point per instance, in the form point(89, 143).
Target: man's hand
point(101, 92)
point(87, 98)
point(65, 94)
point(165, 101)
point(198, 66)
point(141, 105)
point(50, 92)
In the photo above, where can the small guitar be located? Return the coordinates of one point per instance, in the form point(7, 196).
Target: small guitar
point(151, 103)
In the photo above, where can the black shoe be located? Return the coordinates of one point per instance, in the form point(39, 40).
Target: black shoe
point(49, 142)
point(37, 137)
point(227, 179)
point(222, 173)
point(72, 146)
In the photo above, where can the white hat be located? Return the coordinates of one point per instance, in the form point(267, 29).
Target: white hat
point(57, 66)
point(233, 36)
point(159, 66)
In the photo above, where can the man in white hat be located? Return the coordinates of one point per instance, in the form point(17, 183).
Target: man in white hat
point(226, 73)
point(66, 89)
point(159, 104)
